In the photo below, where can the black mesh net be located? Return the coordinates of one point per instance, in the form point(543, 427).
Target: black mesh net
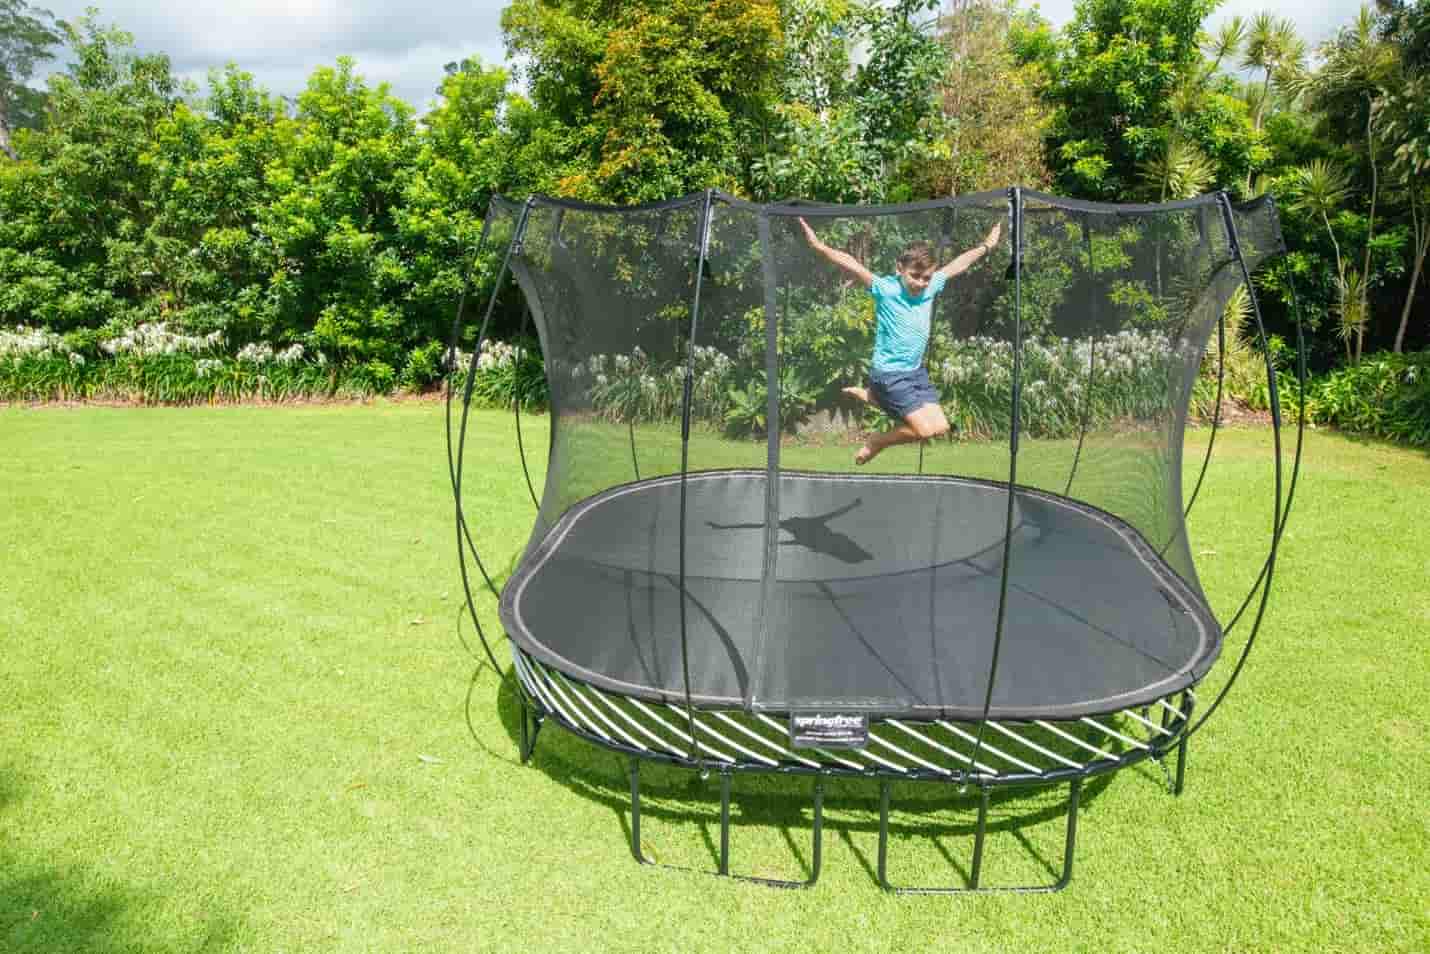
point(703, 503)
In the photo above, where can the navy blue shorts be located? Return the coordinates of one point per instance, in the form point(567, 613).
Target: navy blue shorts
point(900, 393)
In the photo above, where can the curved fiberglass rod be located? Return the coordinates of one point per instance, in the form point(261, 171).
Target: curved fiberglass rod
point(1278, 523)
point(462, 528)
point(1266, 567)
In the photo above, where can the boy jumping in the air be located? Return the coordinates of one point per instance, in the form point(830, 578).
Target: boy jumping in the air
point(898, 381)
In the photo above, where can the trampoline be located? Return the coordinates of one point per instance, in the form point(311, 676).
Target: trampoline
point(713, 590)
point(874, 609)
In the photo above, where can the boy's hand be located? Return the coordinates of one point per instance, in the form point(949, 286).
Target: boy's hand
point(809, 235)
point(993, 236)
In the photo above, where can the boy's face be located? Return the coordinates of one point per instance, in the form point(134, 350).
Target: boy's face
point(916, 280)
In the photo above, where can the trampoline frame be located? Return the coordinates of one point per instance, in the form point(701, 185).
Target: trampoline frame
point(545, 693)
point(640, 731)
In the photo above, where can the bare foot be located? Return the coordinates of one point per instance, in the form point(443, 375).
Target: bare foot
point(859, 394)
point(867, 453)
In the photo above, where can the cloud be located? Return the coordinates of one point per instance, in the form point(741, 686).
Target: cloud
point(282, 41)
point(1315, 20)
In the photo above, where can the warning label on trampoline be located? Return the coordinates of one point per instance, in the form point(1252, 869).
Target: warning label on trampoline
point(828, 730)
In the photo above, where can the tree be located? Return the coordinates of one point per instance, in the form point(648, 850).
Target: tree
point(102, 117)
point(1269, 45)
point(1128, 79)
point(1404, 121)
point(26, 39)
point(1418, 198)
point(648, 99)
point(1346, 91)
point(1180, 171)
point(993, 120)
point(894, 87)
point(1319, 190)
point(841, 133)
point(1272, 47)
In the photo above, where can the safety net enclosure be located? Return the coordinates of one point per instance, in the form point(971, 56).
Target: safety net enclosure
point(709, 569)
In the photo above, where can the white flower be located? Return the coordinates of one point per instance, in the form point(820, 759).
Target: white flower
point(34, 341)
point(256, 353)
point(156, 338)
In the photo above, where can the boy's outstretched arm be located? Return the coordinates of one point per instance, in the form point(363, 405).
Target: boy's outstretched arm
point(964, 261)
point(847, 263)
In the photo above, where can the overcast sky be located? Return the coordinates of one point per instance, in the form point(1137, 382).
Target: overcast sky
point(282, 41)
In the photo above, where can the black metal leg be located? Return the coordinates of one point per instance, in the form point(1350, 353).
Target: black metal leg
point(1181, 765)
point(973, 886)
point(636, 812)
point(529, 733)
point(978, 837)
point(817, 853)
point(1074, 794)
point(522, 747)
point(884, 835)
point(724, 823)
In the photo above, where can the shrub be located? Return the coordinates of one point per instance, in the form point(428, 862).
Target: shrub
point(1067, 383)
point(1385, 395)
point(153, 364)
point(505, 372)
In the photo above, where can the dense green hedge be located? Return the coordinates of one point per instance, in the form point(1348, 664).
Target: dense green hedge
point(1386, 395)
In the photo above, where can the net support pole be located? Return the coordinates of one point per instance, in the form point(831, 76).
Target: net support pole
point(772, 439)
point(1015, 215)
point(685, 466)
point(463, 533)
point(945, 242)
point(1091, 367)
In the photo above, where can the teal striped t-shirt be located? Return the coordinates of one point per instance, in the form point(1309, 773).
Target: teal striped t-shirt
point(901, 329)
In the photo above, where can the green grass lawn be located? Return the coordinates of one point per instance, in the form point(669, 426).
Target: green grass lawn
point(235, 715)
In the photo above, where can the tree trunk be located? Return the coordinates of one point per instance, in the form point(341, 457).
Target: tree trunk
point(1340, 265)
point(1369, 230)
point(1261, 103)
point(5, 145)
point(1409, 299)
point(1421, 231)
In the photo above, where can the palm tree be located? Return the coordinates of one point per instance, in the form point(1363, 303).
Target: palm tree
point(1224, 44)
point(1180, 172)
point(1319, 189)
point(1273, 47)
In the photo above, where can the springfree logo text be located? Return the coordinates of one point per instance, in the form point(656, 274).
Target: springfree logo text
point(828, 730)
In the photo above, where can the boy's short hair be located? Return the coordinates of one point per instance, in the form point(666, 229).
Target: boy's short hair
point(918, 257)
